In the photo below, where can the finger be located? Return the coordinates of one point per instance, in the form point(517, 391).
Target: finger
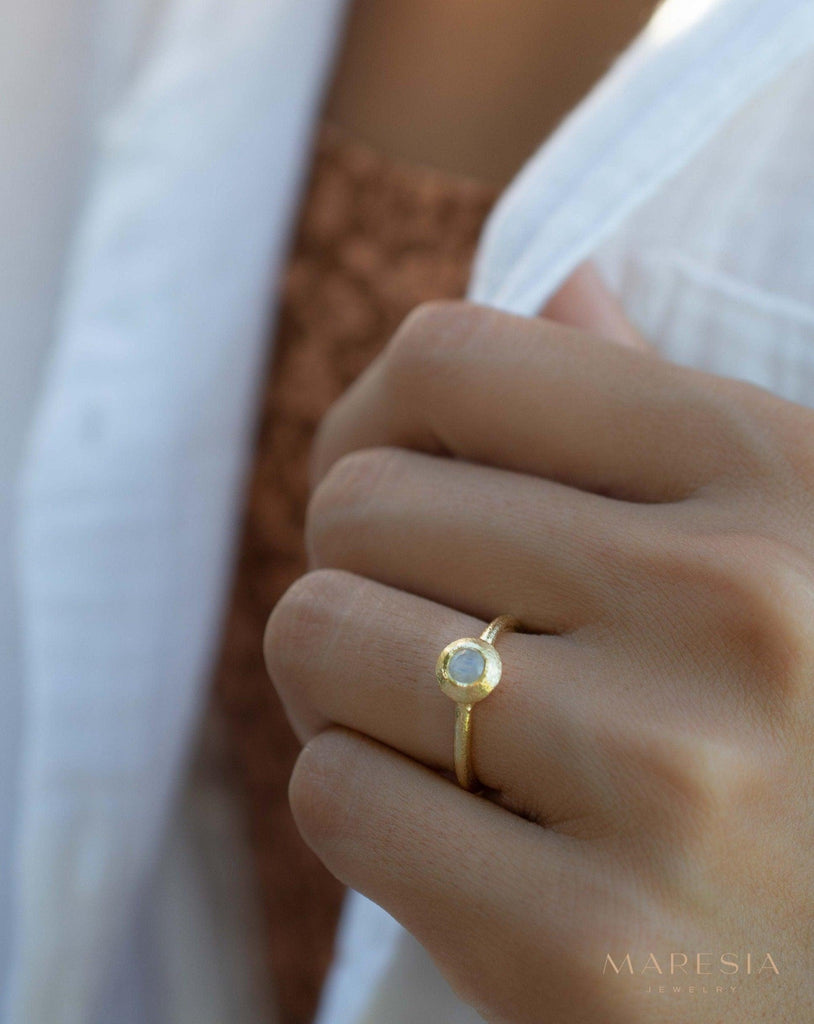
point(345, 650)
point(584, 301)
point(536, 397)
point(477, 538)
point(465, 877)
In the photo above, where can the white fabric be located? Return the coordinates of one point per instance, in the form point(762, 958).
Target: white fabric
point(185, 130)
point(688, 176)
point(45, 145)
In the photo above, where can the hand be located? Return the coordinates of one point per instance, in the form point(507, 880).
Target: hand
point(649, 750)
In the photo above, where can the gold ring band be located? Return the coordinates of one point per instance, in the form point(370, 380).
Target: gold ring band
point(467, 671)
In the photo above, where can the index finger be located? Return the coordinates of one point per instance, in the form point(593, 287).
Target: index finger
point(537, 397)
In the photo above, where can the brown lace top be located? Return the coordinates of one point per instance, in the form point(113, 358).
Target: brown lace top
point(375, 239)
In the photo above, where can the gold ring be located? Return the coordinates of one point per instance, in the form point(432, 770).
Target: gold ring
point(467, 671)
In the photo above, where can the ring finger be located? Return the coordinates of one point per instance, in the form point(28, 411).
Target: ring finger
point(346, 650)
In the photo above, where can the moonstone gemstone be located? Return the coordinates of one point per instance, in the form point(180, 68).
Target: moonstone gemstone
point(466, 666)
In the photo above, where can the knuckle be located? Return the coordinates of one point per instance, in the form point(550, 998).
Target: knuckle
point(683, 767)
point(322, 446)
point(744, 601)
point(716, 788)
point(738, 435)
point(709, 773)
point(704, 783)
point(762, 441)
point(318, 788)
point(344, 496)
point(305, 618)
point(764, 600)
point(429, 330)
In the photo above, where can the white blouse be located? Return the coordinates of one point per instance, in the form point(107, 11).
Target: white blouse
point(687, 174)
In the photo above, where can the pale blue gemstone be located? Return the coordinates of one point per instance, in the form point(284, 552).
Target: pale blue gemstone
point(466, 666)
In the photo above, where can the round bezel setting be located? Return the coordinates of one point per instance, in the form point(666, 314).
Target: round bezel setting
point(469, 693)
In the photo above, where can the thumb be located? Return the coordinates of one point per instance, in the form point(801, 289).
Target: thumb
point(584, 301)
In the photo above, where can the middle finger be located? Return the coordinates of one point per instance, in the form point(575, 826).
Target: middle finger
point(478, 538)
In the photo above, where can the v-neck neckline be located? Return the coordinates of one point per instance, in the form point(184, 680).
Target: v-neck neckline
point(663, 99)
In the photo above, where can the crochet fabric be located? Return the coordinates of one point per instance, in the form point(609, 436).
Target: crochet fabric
point(375, 239)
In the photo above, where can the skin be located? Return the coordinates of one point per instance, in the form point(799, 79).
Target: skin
point(430, 81)
point(648, 752)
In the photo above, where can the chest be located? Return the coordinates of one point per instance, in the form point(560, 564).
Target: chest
point(432, 81)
